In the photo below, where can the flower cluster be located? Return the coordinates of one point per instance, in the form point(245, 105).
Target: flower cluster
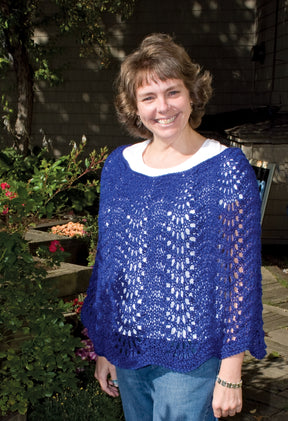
point(71, 229)
point(49, 257)
point(9, 194)
point(55, 246)
point(87, 352)
point(77, 304)
point(5, 186)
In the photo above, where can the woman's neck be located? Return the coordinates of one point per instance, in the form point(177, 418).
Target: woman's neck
point(168, 154)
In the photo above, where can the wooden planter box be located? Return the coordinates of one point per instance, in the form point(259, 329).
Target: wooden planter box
point(72, 276)
point(78, 248)
point(70, 279)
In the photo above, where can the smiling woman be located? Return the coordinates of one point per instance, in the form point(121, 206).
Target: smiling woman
point(175, 296)
point(164, 108)
point(164, 104)
point(159, 59)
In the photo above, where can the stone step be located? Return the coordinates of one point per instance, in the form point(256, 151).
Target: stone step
point(78, 248)
point(70, 279)
point(72, 276)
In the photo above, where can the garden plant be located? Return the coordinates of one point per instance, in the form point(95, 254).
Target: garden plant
point(88, 402)
point(38, 351)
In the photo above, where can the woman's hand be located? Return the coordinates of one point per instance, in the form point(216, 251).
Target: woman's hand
point(105, 373)
point(226, 402)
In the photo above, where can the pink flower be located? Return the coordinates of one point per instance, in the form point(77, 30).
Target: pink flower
point(5, 210)
point(10, 194)
point(87, 352)
point(54, 246)
point(5, 186)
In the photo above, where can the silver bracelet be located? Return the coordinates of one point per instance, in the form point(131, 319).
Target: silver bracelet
point(228, 384)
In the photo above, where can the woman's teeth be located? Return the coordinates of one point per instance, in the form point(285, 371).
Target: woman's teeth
point(166, 120)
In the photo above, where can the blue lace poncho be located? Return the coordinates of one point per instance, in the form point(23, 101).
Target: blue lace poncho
point(177, 276)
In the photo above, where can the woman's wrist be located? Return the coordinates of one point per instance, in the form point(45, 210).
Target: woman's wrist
point(231, 368)
point(229, 385)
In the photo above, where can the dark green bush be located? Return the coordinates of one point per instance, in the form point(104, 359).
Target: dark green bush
point(45, 187)
point(89, 403)
point(37, 348)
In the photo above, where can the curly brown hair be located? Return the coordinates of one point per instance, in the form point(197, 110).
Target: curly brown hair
point(159, 57)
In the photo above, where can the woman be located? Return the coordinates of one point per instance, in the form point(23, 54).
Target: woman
point(175, 296)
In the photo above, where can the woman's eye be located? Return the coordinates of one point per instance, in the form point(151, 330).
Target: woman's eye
point(147, 98)
point(172, 93)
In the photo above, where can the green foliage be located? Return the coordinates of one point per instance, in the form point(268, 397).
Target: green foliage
point(17, 24)
point(91, 229)
point(43, 187)
point(86, 19)
point(37, 348)
point(13, 166)
point(89, 403)
point(37, 351)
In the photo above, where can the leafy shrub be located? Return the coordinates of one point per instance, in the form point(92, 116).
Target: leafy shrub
point(13, 165)
point(91, 230)
point(37, 351)
point(89, 403)
point(44, 187)
point(37, 347)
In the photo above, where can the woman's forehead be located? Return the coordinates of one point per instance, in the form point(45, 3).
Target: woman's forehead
point(145, 78)
point(160, 85)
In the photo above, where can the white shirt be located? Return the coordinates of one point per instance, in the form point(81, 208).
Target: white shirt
point(134, 155)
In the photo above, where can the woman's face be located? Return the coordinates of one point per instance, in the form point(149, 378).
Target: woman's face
point(164, 108)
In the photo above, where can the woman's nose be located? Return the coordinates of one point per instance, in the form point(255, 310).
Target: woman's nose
point(163, 104)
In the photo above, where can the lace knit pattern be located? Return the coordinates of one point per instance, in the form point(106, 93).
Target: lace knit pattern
point(177, 276)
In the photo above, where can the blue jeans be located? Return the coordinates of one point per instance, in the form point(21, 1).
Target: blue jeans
point(155, 393)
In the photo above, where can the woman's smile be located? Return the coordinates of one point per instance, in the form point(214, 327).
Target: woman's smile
point(166, 121)
point(164, 107)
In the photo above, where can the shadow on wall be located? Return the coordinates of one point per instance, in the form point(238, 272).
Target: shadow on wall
point(218, 35)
